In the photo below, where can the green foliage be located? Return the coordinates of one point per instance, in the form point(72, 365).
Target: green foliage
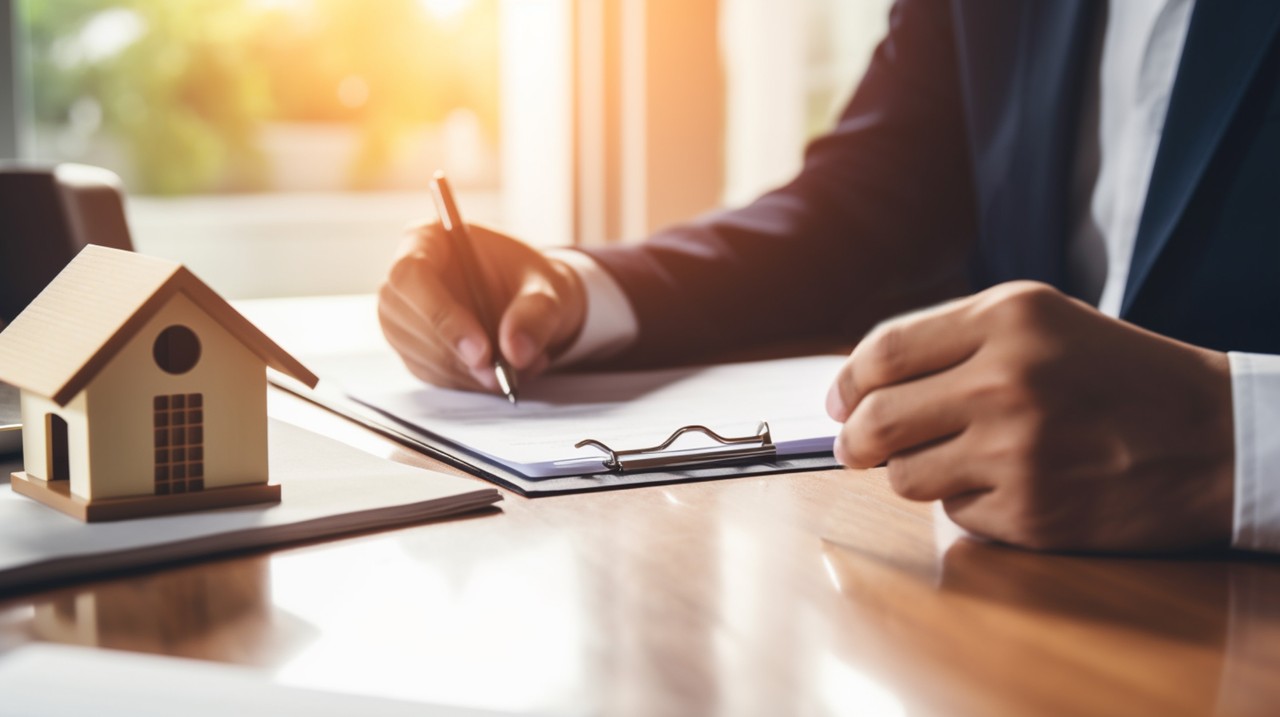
point(187, 96)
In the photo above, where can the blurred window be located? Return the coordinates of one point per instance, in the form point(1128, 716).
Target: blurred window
point(779, 99)
point(280, 146)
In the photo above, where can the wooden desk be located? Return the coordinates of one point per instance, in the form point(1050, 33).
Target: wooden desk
point(810, 594)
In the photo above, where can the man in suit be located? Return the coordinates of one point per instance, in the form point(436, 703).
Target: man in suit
point(1099, 180)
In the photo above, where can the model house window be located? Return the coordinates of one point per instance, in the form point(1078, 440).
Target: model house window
point(176, 349)
point(179, 443)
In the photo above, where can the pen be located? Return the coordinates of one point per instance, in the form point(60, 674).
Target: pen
point(460, 239)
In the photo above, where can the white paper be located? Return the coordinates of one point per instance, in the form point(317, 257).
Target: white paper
point(621, 409)
point(338, 339)
point(34, 682)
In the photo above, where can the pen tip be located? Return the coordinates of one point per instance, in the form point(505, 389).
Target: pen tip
point(506, 379)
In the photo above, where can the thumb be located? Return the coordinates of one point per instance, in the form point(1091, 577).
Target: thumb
point(529, 323)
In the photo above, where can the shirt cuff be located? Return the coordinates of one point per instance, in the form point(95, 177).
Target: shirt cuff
point(610, 324)
point(1255, 395)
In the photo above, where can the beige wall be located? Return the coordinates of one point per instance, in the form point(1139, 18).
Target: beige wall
point(232, 379)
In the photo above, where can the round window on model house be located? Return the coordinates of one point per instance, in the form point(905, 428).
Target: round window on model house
point(177, 349)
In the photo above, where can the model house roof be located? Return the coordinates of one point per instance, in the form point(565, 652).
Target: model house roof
point(88, 312)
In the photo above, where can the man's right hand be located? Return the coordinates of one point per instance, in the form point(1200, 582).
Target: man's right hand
point(426, 314)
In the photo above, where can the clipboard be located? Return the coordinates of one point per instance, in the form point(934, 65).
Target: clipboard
point(629, 466)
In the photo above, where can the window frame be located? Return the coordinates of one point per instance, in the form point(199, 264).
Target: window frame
point(12, 87)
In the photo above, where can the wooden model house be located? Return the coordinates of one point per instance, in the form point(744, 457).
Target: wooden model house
point(143, 391)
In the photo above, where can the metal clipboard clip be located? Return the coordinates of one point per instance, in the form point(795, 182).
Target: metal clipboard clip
point(759, 445)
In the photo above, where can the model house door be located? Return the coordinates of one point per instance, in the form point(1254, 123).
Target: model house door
point(55, 431)
point(179, 443)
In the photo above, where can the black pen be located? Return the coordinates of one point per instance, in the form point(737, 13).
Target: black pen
point(460, 240)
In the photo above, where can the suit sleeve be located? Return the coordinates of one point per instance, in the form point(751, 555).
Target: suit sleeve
point(880, 216)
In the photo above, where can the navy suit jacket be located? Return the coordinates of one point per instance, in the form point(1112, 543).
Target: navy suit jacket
point(950, 171)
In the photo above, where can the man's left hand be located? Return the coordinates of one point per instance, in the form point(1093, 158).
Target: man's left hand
point(1041, 422)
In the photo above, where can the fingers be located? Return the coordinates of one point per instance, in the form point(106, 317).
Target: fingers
point(434, 333)
point(918, 429)
point(417, 280)
point(528, 324)
point(428, 309)
point(902, 349)
point(431, 360)
point(427, 313)
point(978, 512)
point(897, 418)
point(938, 471)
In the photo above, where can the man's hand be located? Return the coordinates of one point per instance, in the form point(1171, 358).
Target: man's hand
point(426, 312)
point(1040, 422)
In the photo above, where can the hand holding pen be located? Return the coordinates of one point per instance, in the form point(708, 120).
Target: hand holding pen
point(473, 276)
point(461, 319)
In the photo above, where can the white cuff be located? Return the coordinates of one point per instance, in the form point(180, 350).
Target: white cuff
point(1255, 395)
point(610, 324)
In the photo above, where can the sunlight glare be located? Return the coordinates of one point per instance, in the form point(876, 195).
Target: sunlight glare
point(831, 573)
point(102, 37)
point(849, 691)
point(445, 9)
point(388, 622)
point(353, 91)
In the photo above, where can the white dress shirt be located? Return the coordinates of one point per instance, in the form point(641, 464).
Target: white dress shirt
point(1140, 51)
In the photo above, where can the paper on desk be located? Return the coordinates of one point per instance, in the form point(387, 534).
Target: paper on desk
point(327, 488)
point(35, 681)
point(622, 409)
point(339, 340)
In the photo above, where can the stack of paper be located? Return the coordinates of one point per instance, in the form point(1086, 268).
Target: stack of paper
point(328, 488)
